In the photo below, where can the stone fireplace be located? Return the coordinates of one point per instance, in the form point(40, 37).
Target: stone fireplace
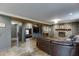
point(65, 30)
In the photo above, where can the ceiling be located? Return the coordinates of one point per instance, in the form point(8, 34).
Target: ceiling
point(43, 12)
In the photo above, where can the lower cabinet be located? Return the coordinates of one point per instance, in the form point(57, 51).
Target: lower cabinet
point(55, 49)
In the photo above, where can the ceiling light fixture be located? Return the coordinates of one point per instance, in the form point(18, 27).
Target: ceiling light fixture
point(55, 20)
point(70, 13)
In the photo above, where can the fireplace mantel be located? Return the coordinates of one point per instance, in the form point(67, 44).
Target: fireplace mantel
point(63, 29)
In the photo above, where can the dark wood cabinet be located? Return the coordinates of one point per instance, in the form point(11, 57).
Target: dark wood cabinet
point(56, 48)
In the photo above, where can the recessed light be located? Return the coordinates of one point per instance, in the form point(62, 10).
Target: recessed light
point(70, 13)
point(55, 20)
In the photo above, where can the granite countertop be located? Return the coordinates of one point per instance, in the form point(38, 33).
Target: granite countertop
point(56, 39)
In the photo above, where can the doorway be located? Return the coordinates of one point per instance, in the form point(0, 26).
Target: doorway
point(16, 33)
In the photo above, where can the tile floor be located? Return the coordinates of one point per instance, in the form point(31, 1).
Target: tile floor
point(21, 51)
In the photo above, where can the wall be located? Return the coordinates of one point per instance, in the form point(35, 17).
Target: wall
point(24, 26)
point(72, 26)
point(47, 29)
point(5, 33)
